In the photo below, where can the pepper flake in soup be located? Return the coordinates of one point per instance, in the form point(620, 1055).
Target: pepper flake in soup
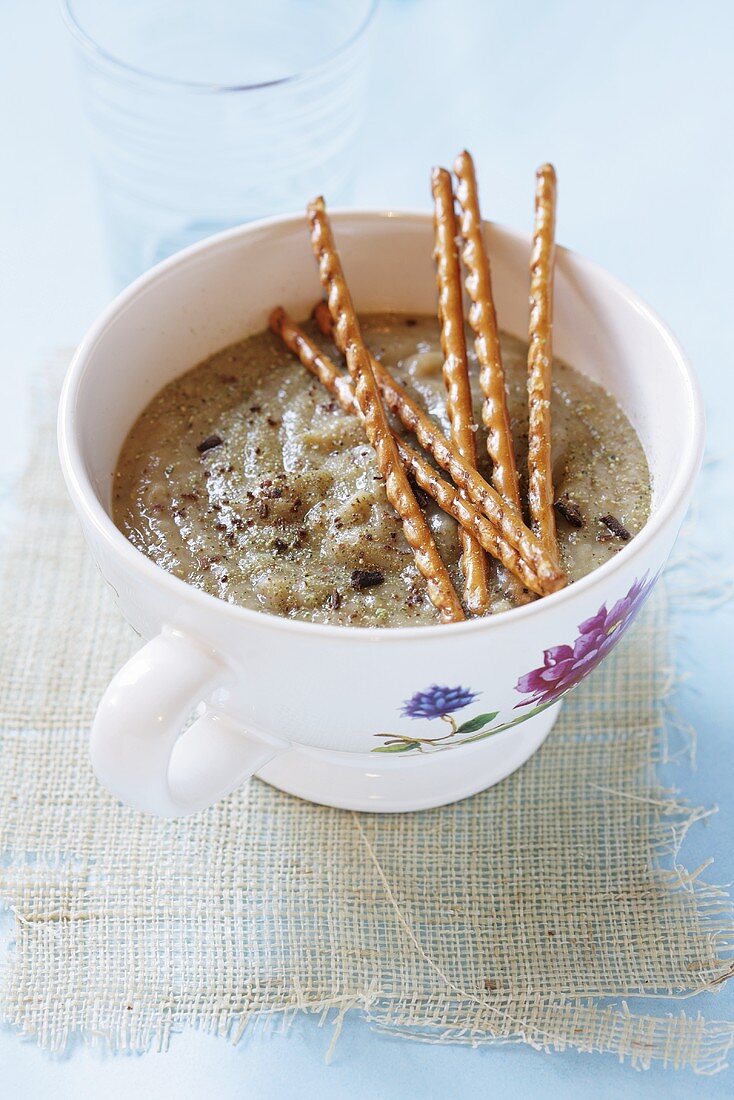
point(248, 479)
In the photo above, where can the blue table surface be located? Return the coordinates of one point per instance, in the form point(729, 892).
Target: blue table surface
point(632, 101)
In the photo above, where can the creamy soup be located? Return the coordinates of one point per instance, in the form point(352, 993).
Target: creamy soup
point(245, 478)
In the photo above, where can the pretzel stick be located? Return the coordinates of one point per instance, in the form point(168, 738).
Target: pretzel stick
point(540, 360)
point(399, 492)
point(442, 492)
point(483, 320)
point(456, 375)
point(465, 477)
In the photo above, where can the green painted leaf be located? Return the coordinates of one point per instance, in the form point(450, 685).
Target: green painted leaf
point(508, 725)
point(477, 723)
point(400, 747)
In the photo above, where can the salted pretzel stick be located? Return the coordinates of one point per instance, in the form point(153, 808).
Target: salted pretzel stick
point(477, 596)
point(483, 320)
point(465, 477)
point(399, 492)
point(540, 359)
point(442, 492)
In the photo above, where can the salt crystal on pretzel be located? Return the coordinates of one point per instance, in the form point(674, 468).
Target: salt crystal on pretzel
point(426, 476)
point(397, 486)
point(456, 374)
point(540, 359)
point(466, 477)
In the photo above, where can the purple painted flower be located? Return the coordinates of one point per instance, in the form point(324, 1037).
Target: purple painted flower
point(437, 702)
point(564, 666)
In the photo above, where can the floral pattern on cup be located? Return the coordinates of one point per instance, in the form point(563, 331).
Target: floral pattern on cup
point(564, 666)
point(438, 702)
point(441, 702)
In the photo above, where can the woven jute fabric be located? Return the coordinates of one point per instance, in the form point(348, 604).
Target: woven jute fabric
point(510, 916)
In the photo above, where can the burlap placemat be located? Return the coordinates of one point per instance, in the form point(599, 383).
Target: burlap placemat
point(506, 917)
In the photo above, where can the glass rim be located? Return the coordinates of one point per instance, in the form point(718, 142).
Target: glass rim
point(93, 48)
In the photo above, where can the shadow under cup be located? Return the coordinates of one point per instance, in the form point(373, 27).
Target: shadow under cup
point(204, 116)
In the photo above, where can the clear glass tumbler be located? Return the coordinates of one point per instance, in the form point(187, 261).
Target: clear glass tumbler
point(206, 115)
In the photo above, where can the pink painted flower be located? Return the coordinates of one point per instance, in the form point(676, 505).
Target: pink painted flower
point(564, 666)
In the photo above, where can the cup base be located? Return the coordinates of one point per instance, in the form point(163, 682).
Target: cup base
point(376, 784)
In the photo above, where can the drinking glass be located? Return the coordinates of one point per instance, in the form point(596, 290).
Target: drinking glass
point(205, 115)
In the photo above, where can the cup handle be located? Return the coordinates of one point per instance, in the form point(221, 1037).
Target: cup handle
point(138, 749)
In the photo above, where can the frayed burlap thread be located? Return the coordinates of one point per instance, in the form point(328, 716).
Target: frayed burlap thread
point(511, 916)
